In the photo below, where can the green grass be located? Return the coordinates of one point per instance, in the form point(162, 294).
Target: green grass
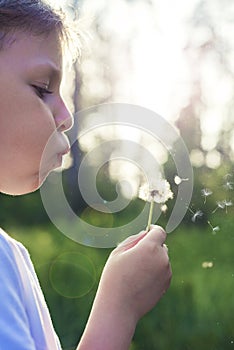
point(197, 312)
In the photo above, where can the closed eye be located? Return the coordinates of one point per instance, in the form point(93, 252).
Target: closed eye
point(41, 91)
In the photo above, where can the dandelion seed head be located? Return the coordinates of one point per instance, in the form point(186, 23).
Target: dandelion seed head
point(144, 192)
point(159, 191)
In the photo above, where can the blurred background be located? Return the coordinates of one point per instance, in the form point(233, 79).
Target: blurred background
point(177, 59)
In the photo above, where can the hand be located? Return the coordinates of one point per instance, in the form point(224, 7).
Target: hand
point(134, 278)
point(138, 272)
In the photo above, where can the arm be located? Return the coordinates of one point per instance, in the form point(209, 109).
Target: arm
point(135, 277)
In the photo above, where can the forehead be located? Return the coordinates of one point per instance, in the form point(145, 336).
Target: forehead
point(27, 50)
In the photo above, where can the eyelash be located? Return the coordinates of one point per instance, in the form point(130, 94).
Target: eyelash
point(41, 91)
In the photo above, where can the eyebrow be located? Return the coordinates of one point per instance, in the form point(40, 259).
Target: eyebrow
point(50, 68)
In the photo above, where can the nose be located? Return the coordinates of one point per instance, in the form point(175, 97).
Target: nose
point(63, 117)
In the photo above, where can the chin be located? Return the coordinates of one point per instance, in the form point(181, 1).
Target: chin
point(20, 188)
point(27, 185)
point(20, 191)
point(15, 191)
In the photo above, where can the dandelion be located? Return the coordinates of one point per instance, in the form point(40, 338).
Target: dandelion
point(178, 180)
point(159, 192)
point(205, 193)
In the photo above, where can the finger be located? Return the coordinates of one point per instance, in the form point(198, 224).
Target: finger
point(156, 234)
point(131, 241)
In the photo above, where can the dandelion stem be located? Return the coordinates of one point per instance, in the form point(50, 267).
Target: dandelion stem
point(150, 215)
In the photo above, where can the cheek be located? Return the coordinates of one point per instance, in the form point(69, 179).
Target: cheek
point(25, 121)
point(31, 141)
point(41, 135)
point(24, 145)
point(37, 126)
point(48, 149)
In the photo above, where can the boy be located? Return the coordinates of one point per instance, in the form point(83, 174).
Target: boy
point(32, 43)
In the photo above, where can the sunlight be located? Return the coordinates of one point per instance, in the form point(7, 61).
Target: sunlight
point(159, 65)
point(149, 63)
point(148, 58)
point(149, 54)
point(57, 3)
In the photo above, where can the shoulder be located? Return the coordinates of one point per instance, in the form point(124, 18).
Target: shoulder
point(7, 247)
point(12, 304)
point(15, 261)
point(8, 241)
point(8, 266)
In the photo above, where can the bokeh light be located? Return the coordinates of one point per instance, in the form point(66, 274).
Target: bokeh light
point(72, 275)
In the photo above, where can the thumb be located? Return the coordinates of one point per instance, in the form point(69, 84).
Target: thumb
point(131, 241)
point(156, 234)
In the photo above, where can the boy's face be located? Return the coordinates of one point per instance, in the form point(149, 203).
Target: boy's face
point(29, 114)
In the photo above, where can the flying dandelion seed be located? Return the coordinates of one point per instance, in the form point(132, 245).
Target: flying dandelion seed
point(223, 205)
point(228, 185)
point(227, 176)
point(214, 228)
point(227, 204)
point(159, 192)
point(178, 180)
point(205, 193)
point(220, 205)
point(196, 214)
point(164, 208)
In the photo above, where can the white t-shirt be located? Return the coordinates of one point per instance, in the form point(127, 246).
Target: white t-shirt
point(25, 322)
